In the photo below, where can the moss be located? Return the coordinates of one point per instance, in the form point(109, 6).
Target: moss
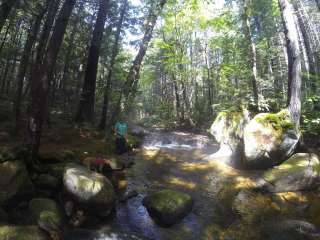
point(22, 233)
point(279, 121)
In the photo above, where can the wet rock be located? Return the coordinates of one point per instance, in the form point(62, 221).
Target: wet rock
point(22, 233)
point(290, 229)
point(269, 139)
point(228, 130)
point(300, 172)
point(47, 181)
point(15, 183)
point(91, 190)
point(46, 213)
point(168, 207)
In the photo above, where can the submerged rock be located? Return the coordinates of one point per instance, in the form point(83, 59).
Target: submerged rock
point(298, 173)
point(14, 182)
point(91, 190)
point(269, 139)
point(228, 130)
point(46, 213)
point(22, 233)
point(168, 207)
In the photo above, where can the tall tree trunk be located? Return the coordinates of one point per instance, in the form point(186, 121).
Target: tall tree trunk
point(134, 73)
point(40, 81)
point(253, 52)
point(107, 90)
point(5, 9)
point(294, 60)
point(87, 102)
point(32, 35)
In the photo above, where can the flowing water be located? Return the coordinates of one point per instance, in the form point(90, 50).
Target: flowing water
point(179, 160)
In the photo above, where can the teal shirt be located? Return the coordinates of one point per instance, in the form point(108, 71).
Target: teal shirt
point(121, 128)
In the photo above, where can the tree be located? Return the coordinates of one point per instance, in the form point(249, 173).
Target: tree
point(5, 9)
point(107, 89)
point(294, 61)
point(40, 81)
point(87, 101)
point(133, 76)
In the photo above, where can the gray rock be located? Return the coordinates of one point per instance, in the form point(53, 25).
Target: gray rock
point(46, 213)
point(168, 207)
point(228, 129)
point(300, 172)
point(14, 182)
point(269, 139)
point(91, 190)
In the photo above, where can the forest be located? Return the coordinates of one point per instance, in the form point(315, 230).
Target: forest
point(159, 119)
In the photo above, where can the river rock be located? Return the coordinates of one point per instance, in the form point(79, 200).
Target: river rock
point(15, 183)
point(168, 207)
point(46, 181)
point(269, 139)
point(46, 213)
point(228, 128)
point(22, 233)
point(300, 172)
point(91, 190)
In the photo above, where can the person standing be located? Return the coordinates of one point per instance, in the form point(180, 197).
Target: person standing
point(121, 131)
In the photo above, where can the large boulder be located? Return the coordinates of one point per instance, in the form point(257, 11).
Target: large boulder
point(22, 233)
point(46, 213)
point(91, 190)
point(269, 139)
point(15, 183)
point(300, 172)
point(168, 207)
point(228, 130)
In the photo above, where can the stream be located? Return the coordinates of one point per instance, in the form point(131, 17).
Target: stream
point(179, 161)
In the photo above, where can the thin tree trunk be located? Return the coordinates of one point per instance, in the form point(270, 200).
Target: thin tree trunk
point(253, 53)
point(107, 89)
point(294, 59)
point(33, 32)
point(87, 101)
point(134, 73)
point(5, 9)
point(40, 81)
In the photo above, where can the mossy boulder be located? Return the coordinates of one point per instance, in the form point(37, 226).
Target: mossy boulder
point(15, 183)
point(46, 213)
point(91, 190)
point(300, 172)
point(168, 207)
point(269, 139)
point(228, 128)
point(22, 233)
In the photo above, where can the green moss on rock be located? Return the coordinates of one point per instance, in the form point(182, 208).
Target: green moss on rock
point(167, 207)
point(22, 233)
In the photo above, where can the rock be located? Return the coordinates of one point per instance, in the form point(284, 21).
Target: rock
point(269, 139)
point(300, 172)
point(168, 207)
point(46, 213)
point(290, 229)
point(14, 182)
point(91, 190)
point(56, 170)
point(228, 130)
point(22, 233)
point(57, 157)
point(47, 181)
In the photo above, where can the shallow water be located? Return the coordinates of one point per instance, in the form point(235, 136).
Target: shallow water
point(179, 161)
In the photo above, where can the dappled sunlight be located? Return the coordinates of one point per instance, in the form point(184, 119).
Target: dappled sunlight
point(244, 183)
point(293, 197)
point(196, 166)
point(181, 183)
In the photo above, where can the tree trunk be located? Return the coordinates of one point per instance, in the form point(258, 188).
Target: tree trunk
point(33, 32)
point(40, 81)
point(5, 9)
point(134, 73)
point(253, 53)
point(107, 89)
point(294, 62)
point(87, 102)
